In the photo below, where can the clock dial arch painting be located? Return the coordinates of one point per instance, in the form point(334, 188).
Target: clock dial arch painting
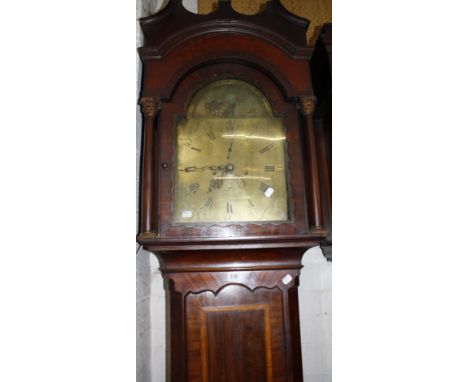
point(230, 158)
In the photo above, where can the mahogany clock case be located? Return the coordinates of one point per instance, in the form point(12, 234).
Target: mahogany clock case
point(232, 288)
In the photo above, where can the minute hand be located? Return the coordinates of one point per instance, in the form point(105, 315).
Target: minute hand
point(230, 149)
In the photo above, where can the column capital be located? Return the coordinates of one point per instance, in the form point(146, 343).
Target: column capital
point(150, 106)
point(307, 104)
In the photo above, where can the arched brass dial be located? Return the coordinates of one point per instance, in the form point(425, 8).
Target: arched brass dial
point(230, 167)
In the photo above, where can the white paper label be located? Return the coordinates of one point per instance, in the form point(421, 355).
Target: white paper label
point(268, 192)
point(186, 214)
point(286, 279)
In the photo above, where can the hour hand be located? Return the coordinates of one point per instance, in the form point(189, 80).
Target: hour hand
point(194, 168)
point(189, 169)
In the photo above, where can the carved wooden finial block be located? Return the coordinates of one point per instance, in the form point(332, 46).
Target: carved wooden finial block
point(150, 106)
point(307, 104)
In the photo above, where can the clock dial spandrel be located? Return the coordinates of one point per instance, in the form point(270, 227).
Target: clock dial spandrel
point(230, 158)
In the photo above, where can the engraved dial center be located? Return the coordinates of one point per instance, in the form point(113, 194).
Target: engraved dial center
point(229, 168)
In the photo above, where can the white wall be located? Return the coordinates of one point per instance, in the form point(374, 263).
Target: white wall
point(315, 304)
point(143, 280)
point(145, 320)
point(314, 291)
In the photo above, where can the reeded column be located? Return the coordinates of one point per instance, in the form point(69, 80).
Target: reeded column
point(307, 107)
point(150, 107)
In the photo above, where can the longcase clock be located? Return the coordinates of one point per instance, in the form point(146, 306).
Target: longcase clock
point(230, 193)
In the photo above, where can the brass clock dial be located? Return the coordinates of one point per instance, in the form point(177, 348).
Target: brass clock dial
point(230, 158)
